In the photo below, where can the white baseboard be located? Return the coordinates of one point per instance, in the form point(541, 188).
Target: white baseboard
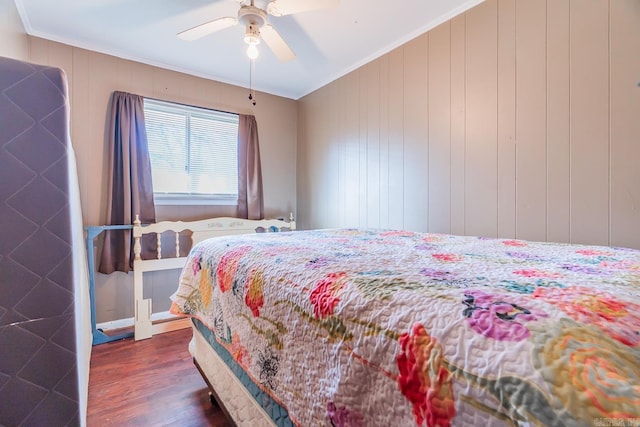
point(128, 322)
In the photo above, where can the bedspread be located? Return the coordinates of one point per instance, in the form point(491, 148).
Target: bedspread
point(351, 327)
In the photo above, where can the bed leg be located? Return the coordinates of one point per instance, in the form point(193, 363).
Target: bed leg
point(213, 400)
point(142, 307)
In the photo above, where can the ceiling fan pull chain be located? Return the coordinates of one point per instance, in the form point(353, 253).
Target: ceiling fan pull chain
point(252, 92)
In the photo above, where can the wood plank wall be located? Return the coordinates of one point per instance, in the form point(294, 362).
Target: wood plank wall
point(92, 78)
point(515, 119)
point(14, 42)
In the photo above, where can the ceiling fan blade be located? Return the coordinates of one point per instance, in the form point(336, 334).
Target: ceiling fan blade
point(276, 43)
point(207, 28)
point(289, 7)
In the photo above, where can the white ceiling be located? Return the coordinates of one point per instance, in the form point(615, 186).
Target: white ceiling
point(328, 43)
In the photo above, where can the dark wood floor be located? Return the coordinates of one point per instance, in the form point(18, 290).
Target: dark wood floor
point(149, 383)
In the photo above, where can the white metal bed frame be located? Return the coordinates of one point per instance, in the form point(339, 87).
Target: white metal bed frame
point(201, 230)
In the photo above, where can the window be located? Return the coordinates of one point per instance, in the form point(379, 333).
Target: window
point(193, 153)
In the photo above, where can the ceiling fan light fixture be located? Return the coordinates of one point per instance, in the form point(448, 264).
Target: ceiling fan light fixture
point(252, 51)
point(252, 38)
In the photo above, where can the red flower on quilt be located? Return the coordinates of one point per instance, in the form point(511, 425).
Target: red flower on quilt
point(532, 272)
point(325, 296)
point(255, 297)
point(593, 252)
point(447, 257)
point(424, 380)
point(228, 266)
point(516, 243)
point(238, 351)
point(618, 319)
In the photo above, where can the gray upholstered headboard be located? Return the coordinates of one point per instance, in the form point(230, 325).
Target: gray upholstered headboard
point(38, 362)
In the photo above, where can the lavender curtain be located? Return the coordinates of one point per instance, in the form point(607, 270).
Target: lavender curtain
point(250, 198)
point(130, 185)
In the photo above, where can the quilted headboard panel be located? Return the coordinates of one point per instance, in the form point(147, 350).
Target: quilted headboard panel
point(38, 366)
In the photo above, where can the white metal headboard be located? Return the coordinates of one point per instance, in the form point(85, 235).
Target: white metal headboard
point(200, 230)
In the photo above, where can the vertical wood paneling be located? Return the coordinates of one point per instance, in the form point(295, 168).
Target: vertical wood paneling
point(352, 154)
point(481, 192)
point(14, 42)
point(558, 160)
point(518, 118)
point(625, 125)
point(362, 146)
point(384, 141)
point(311, 170)
point(143, 84)
point(315, 160)
point(333, 176)
point(124, 76)
point(61, 56)
point(507, 118)
point(81, 131)
point(38, 51)
point(320, 160)
point(342, 123)
point(531, 120)
point(396, 138)
point(589, 118)
point(381, 128)
point(439, 98)
point(458, 120)
point(416, 179)
point(304, 135)
point(92, 78)
point(103, 81)
point(164, 86)
point(373, 144)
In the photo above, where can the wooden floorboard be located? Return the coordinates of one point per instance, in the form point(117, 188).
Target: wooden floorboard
point(151, 382)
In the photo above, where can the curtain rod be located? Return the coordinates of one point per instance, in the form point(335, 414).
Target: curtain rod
point(188, 105)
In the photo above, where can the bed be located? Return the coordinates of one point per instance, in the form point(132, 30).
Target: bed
point(353, 327)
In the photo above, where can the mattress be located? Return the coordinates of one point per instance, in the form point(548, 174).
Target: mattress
point(243, 400)
point(45, 341)
point(371, 327)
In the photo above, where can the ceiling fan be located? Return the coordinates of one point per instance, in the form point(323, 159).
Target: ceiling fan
point(257, 26)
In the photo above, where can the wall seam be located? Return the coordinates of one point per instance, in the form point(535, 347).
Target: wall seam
point(609, 222)
point(570, 137)
point(515, 115)
point(546, 122)
point(450, 127)
point(464, 156)
point(428, 129)
point(498, 192)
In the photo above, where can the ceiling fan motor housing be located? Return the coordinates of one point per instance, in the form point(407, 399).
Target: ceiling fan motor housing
point(253, 18)
point(251, 15)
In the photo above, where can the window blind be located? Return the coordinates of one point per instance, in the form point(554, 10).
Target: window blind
point(193, 150)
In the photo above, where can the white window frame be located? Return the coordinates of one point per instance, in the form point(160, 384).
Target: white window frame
point(178, 199)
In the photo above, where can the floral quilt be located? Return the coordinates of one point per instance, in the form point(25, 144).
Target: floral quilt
point(350, 327)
